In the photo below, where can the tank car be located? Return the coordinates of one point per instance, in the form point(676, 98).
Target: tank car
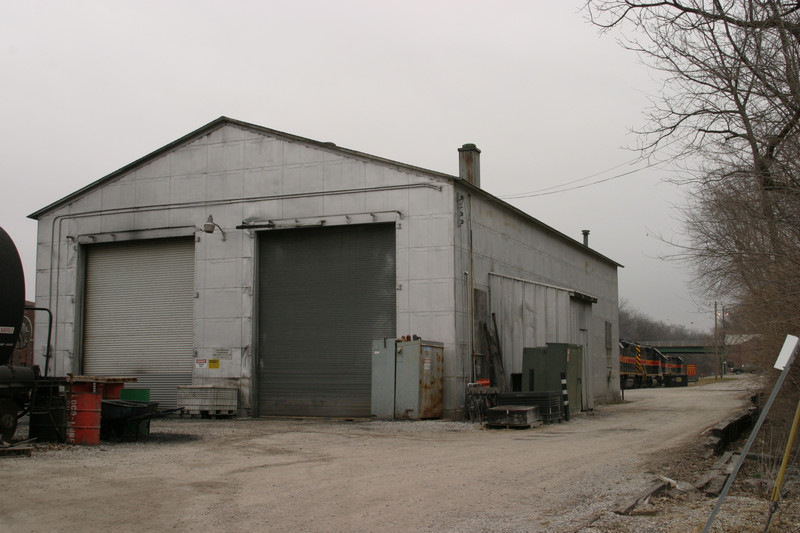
point(16, 382)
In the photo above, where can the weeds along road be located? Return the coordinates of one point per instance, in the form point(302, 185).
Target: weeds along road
point(326, 475)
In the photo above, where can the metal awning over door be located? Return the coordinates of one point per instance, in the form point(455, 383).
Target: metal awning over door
point(138, 314)
point(324, 295)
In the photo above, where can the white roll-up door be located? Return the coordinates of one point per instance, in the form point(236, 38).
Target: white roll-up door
point(138, 314)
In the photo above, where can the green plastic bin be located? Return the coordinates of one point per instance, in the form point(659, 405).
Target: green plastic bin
point(137, 395)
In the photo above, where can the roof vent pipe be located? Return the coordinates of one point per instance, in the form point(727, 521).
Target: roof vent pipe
point(469, 164)
point(585, 237)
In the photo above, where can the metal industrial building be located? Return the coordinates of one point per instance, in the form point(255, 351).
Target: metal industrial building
point(242, 256)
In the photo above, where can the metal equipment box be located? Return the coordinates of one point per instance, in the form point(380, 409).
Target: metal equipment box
point(208, 400)
point(542, 368)
point(407, 379)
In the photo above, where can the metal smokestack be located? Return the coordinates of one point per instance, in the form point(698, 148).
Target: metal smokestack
point(585, 237)
point(469, 164)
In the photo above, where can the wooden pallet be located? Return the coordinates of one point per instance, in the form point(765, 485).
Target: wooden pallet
point(16, 449)
point(512, 426)
point(210, 412)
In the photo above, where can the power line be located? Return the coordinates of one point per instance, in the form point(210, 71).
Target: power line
point(561, 188)
point(590, 176)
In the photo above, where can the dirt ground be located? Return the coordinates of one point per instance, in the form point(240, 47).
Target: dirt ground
point(336, 475)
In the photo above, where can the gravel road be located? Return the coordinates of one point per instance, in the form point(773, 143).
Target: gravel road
point(333, 475)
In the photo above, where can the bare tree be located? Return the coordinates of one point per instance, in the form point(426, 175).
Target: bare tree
point(731, 89)
point(634, 325)
point(731, 98)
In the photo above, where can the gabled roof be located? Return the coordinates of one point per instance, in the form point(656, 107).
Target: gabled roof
point(205, 130)
point(328, 146)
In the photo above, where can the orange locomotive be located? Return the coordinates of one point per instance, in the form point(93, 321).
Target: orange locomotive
point(644, 366)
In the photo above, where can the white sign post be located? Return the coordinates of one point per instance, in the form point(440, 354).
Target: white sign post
point(789, 347)
point(783, 363)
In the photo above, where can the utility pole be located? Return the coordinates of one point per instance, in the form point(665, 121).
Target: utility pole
point(722, 355)
point(716, 345)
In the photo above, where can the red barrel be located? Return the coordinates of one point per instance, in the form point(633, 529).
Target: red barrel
point(111, 391)
point(83, 386)
point(83, 422)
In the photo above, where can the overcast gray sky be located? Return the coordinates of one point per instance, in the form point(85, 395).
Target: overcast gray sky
point(87, 87)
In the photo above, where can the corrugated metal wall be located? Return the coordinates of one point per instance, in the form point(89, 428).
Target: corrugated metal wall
point(324, 295)
point(528, 315)
point(138, 314)
point(581, 312)
point(531, 314)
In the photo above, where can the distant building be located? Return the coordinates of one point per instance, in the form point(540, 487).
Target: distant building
point(741, 352)
point(242, 256)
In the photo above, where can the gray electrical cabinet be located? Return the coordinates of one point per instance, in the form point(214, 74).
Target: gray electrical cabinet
point(383, 371)
point(407, 379)
point(542, 368)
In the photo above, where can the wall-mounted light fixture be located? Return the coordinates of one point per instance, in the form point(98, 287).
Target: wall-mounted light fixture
point(209, 226)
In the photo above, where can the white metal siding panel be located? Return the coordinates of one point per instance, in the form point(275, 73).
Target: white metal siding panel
point(581, 319)
point(529, 310)
point(540, 319)
point(517, 321)
point(138, 314)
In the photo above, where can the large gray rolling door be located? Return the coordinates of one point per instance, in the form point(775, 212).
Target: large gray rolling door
point(324, 295)
point(138, 314)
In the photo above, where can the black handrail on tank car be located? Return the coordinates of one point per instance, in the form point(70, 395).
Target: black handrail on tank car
point(49, 334)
